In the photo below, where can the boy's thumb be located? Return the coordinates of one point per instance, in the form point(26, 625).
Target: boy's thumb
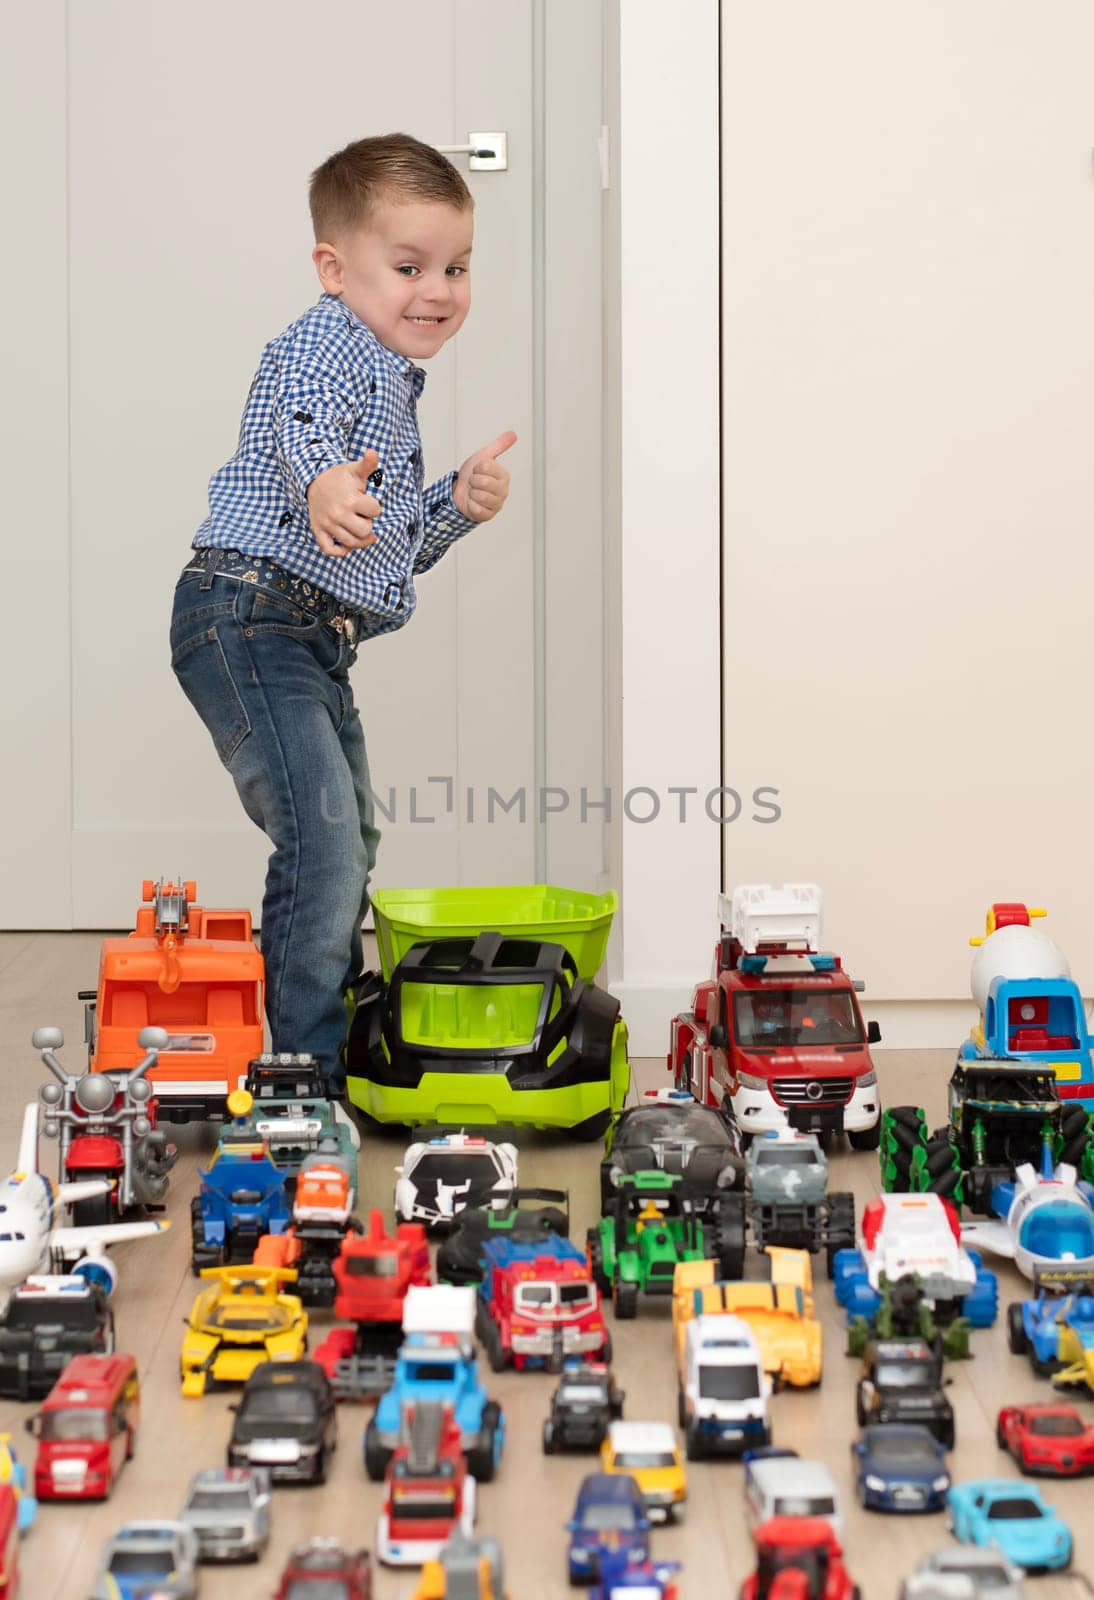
point(504, 441)
point(367, 464)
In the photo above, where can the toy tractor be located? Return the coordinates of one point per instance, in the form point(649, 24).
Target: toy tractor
point(651, 1227)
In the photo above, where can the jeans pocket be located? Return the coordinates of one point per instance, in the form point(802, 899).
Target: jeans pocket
point(201, 667)
point(264, 611)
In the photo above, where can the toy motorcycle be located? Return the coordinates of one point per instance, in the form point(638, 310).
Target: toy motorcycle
point(106, 1124)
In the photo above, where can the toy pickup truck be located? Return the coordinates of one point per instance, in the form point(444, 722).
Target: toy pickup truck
point(295, 1116)
point(537, 1304)
point(775, 1035)
point(788, 1199)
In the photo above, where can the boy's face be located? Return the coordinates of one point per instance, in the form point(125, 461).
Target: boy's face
point(405, 272)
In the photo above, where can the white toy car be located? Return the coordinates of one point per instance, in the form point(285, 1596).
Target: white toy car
point(784, 1486)
point(916, 1235)
point(448, 1174)
point(723, 1390)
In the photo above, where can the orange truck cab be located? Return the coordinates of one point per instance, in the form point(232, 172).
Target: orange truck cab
point(86, 1428)
point(9, 1543)
point(196, 972)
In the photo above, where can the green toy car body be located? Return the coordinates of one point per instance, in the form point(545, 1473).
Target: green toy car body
point(652, 1226)
point(502, 1026)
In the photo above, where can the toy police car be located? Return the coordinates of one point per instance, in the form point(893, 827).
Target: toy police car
point(442, 1176)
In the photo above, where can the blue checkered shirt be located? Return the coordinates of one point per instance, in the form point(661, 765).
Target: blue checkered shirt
point(326, 390)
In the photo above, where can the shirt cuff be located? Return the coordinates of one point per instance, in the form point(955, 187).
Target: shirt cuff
point(444, 524)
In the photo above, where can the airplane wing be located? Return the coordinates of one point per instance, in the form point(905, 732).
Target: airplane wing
point(28, 1140)
point(75, 1242)
point(993, 1236)
point(82, 1190)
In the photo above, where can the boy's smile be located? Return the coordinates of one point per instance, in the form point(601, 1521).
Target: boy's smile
point(405, 272)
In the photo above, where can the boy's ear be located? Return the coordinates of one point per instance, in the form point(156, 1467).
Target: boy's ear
point(328, 264)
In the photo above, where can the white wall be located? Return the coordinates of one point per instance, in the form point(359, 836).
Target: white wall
point(907, 478)
point(670, 629)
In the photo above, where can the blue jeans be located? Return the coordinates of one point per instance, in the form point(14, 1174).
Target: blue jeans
point(270, 682)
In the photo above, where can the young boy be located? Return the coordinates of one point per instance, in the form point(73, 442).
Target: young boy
point(317, 527)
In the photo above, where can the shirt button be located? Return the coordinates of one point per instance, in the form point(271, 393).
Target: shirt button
point(302, 416)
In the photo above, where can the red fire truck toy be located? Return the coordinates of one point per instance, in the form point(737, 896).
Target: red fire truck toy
point(372, 1274)
point(537, 1304)
point(321, 1222)
point(428, 1491)
point(194, 971)
point(776, 1035)
point(798, 1558)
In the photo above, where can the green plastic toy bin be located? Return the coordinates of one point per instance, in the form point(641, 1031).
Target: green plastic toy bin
point(580, 922)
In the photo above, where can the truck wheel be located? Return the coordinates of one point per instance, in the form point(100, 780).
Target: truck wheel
point(490, 1336)
point(841, 1227)
point(860, 1410)
point(681, 1408)
point(625, 1299)
point(942, 1176)
point(694, 1442)
point(95, 1212)
point(866, 1138)
point(594, 1250)
point(592, 1128)
point(377, 1455)
point(606, 1350)
point(1017, 1337)
point(729, 1236)
point(548, 1439)
point(481, 1461)
point(902, 1132)
point(1075, 1135)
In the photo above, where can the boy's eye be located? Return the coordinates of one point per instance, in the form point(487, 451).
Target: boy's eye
point(456, 272)
point(406, 268)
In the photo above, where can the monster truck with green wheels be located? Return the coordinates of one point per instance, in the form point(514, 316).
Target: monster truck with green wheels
point(1001, 1113)
point(651, 1226)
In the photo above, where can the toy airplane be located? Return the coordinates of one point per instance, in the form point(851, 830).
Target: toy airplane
point(1047, 1219)
point(29, 1241)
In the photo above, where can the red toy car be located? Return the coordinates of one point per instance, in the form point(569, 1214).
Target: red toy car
point(325, 1569)
point(9, 1543)
point(1047, 1440)
point(798, 1558)
point(775, 1035)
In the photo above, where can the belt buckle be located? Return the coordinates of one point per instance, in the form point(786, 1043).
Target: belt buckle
point(346, 626)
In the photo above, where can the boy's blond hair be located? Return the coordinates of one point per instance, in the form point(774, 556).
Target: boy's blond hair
point(390, 166)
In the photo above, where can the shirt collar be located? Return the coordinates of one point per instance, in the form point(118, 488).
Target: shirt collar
point(398, 364)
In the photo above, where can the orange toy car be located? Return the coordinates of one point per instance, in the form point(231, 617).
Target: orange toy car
point(194, 971)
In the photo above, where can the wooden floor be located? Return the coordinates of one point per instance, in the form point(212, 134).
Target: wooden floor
point(532, 1496)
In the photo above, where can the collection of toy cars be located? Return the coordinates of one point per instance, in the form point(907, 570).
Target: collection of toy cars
point(473, 1026)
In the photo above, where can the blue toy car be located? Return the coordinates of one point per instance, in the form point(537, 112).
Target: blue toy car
point(242, 1196)
point(900, 1466)
point(1010, 1515)
point(609, 1519)
point(1056, 1330)
point(438, 1367)
point(622, 1579)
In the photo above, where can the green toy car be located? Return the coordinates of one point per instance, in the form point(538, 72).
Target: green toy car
point(651, 1226)
point(488, 1020)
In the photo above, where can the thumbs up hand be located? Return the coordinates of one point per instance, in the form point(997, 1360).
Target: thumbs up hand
point(482, 484)
point(341, 509)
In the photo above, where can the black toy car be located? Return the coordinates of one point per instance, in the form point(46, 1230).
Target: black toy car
point(273, 1078)
point(286, 1421)
point(47, 1323)
point(584, 1404)
point(670, 1130)
point(902, 1382)
point(527, 1216)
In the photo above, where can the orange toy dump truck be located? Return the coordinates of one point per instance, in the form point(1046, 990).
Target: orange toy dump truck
point(196, 972)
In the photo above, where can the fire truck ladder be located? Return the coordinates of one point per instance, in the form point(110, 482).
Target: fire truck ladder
point(424, 1435)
